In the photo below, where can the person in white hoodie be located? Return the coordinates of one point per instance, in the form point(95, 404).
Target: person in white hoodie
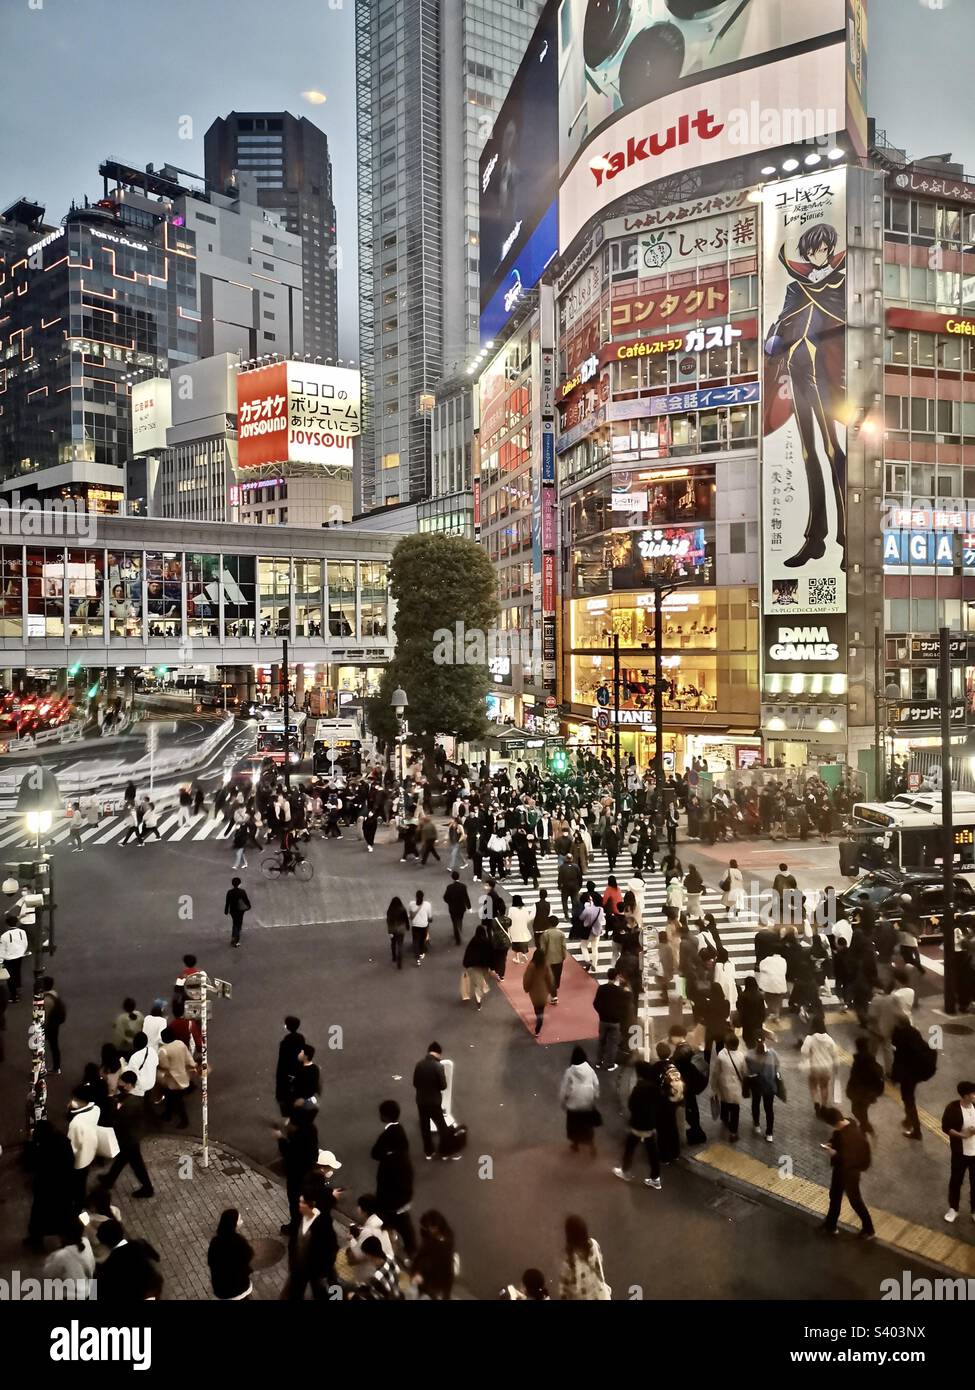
point(773, 983)
point(578, 1096)
point(83, 1136)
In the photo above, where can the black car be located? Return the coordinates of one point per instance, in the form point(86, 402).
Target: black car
point(884, 887)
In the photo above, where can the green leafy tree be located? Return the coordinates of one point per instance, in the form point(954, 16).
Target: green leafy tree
point(439, 582)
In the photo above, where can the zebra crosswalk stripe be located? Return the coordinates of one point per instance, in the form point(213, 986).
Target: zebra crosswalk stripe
point(737, 933)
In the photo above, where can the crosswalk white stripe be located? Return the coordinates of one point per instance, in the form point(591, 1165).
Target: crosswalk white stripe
point(11, 836)
point(737, 933)
point(212, 828)
point(182, 831)
point(115, 829)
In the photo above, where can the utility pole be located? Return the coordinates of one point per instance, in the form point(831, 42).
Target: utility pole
point(947, 822)
point(658, 693)
point(879, 748)
point(287, 737)
point(616, 719)
point(199, 988)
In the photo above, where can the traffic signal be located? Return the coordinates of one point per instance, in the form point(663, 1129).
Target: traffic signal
point(73, 670)
point(161, 670)
point(93, 691)
point(558, 761)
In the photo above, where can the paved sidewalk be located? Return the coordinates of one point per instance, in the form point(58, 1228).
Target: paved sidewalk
point(907, 1181)
point(180, 1220)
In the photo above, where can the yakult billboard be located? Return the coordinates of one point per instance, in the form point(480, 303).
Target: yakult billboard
point(651, 88)
point(297, 412)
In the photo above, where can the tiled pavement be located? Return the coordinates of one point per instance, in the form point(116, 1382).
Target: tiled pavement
point(182, 1217)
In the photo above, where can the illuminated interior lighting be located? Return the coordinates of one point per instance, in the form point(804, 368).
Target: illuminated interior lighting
point(789, 164)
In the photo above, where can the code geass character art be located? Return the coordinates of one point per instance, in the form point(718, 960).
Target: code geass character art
point(807, 344)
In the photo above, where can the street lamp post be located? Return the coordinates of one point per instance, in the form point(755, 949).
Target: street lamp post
point(38, 799)
point(401, 704)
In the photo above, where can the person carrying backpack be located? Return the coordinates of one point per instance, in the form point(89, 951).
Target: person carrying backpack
point(914, 1062)
point(849, 1154)
point(671, 1090)
point(695, 1074)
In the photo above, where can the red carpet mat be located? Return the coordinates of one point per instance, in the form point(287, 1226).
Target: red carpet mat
point(571, 1020)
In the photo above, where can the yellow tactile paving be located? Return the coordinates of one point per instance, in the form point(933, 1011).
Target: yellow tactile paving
point(811, 1196)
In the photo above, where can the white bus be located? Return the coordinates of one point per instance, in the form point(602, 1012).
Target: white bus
point(338, 744)
point(270, 737)
point(907, 834)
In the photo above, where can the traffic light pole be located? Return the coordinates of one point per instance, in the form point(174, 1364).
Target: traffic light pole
point(287, 736)
point(658, 696)
point(947, 823)
point(616, 720)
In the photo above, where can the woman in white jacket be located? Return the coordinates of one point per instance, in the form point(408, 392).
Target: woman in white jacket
point(820, 1055)
point(522, 938)
point(733, 889)
point(578, 1095)
point(773, 983)
point(724, 976)
point(83, 1116)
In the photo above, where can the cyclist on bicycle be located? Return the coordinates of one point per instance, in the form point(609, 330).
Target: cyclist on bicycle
point(289, 854)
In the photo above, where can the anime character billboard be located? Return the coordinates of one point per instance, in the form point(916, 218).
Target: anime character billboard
point(804, 427)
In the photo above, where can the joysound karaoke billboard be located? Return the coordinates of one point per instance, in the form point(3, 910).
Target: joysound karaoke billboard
point(650, 88)
point(297, 412)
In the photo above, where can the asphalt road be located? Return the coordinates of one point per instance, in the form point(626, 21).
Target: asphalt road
point(126, 915)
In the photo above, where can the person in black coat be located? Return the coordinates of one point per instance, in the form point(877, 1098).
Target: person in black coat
point(752, 1011)
point(611, 844)
point(229, 1257)
point(235, 905)
point(958, 1122)
point(284, 1076)
point(866, 1084)
point(314, 1247)
point(130, 1274)
point(429, 1084)
point(643, 1108)
point(668, 1137)
point(394, 1176)
point(458, 902)
point(298, 1144)
point(51, 1160)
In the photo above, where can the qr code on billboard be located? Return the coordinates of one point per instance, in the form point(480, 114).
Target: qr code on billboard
point(822, 593)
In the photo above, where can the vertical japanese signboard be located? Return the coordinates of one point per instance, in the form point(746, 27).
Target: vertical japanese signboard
point(804, 445)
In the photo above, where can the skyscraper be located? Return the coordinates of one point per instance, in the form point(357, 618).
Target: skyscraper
point(430, 79)
point(288, 156)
